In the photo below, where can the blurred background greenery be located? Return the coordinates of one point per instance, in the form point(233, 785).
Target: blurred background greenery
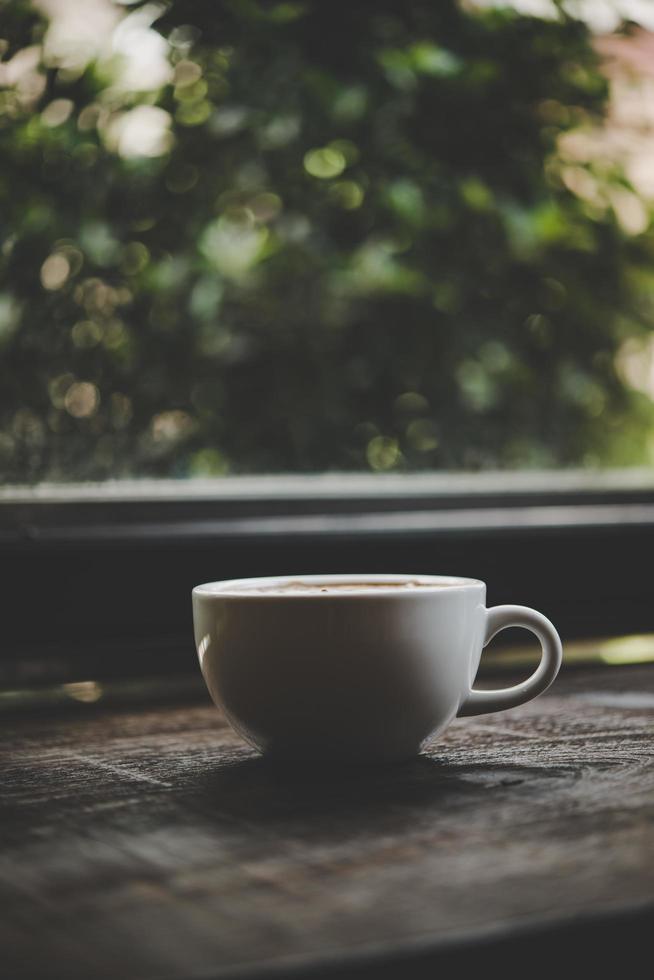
point(247, 236)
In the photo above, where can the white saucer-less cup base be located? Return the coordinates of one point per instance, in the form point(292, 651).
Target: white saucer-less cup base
point(361, 676)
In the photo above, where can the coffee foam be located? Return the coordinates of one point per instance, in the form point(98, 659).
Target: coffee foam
point(300, 587)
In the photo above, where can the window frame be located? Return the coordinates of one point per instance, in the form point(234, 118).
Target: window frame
point(98, 577)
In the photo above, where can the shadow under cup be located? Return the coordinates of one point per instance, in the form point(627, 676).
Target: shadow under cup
point(340, 668)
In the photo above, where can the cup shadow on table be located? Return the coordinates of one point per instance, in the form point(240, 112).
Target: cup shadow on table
point(321, 797)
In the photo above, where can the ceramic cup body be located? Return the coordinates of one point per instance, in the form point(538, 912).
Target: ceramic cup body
point(358, 676)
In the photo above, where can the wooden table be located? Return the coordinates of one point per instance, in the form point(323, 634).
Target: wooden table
point(149, 842)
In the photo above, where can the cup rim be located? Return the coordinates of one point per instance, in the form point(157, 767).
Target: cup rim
point(239, 588)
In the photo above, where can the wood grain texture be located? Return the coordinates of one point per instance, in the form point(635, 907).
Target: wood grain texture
point(151, 843)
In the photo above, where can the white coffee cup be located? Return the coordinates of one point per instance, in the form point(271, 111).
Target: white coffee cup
point(355, 668)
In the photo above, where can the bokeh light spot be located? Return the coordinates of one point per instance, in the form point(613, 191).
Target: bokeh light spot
point(55, 271)
point(265, 206)
point(171, 426)
point(57, 112)
point(279, 132)
point(350, 103)
point(383, 453)
point(186, 72)
point(193, 113)
point(347, 194)
point(86, 334)
point(411, 402)
point(143, 131)
point(635, 364)
point(115, 335)
point(89, 117)
point(57, 388)
point(325, 163)
point(421, 435)
point(82, 399)
point(135, 258)
point(208, 462)
point(232, 243)
point(10, 311)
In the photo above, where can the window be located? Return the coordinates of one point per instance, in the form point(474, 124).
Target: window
point(270, 238)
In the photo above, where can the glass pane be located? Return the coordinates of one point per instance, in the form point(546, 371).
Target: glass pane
point(257, 237)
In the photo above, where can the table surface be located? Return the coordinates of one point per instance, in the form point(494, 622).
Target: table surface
point(150, 842)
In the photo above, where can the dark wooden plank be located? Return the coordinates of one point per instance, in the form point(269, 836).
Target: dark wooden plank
point(151, 842)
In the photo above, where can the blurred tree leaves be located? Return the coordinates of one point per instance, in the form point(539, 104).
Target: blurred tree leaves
point(308, 236)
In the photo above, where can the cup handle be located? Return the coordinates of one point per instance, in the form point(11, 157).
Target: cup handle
point(498, 618)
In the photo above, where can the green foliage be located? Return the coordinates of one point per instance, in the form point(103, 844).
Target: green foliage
point(337, 238)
